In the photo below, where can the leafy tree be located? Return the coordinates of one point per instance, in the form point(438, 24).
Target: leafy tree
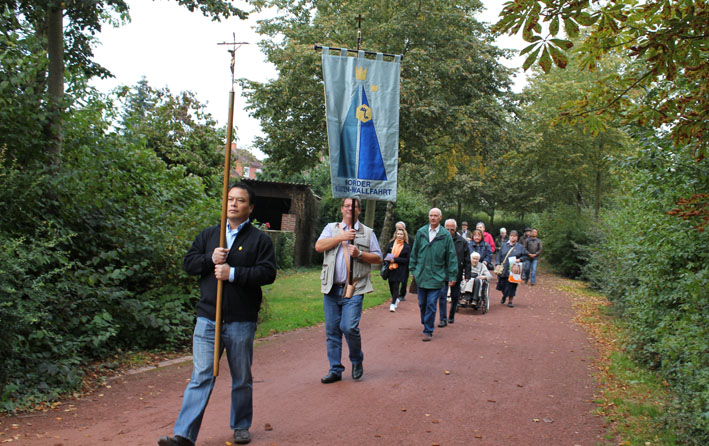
point(668, 85)
point(567, 164)
point(454, 94)
point(68, 46)
point(177, 128)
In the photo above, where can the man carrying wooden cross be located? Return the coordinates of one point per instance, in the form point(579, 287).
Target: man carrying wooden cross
point(247, 264)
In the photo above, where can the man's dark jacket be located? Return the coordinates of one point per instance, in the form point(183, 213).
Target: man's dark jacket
point(254, 261)
point(462, 251)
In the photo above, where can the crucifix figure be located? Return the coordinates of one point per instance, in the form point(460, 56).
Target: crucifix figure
point(234, 46)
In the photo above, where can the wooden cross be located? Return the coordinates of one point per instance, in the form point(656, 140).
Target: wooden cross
point(234, 46)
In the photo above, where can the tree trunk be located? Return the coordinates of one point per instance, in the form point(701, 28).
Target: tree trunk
point(460, 212)
point(55, 51)
point(597, 204)
point(579, 198)
point(388, 225)
point(492, 218)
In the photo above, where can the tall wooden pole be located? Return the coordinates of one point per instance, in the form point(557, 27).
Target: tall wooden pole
point(371, 204)
point(225, 195)
point(222, 234)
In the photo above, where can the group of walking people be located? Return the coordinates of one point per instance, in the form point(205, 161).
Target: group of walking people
point(438, 257)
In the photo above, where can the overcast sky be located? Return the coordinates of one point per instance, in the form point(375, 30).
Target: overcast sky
point(175, 48)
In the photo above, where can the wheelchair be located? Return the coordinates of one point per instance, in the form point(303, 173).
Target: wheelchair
point(476, 301)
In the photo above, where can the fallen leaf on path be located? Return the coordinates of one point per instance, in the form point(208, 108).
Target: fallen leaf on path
point(548, 420)
point(268, 427)
point(520, 385)
point(435, 421)
point(228, 443)
point(403, 409)
point(428, 414)
point(536, 420)
point(447, 372)
point(377, 436)
point(478, 436)
point(491, 401)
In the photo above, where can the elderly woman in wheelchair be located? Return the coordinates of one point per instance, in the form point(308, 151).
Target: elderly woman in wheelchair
point(475, 292)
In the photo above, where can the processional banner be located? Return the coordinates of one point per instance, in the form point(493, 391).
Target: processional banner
point(362, 106)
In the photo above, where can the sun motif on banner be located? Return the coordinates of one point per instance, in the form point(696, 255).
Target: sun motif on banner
point(364, 113)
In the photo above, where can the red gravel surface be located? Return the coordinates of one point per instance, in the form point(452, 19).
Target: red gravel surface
point(514, 376)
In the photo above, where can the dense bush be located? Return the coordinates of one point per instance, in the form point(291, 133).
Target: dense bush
point(655, 268)
point(284, 247)
point(91, 256)
point(565, 231)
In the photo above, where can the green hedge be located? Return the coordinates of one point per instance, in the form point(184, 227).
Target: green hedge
point(655, 268)
point(91, 259)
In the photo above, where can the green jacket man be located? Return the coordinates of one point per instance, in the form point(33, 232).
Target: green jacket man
point(433, 263)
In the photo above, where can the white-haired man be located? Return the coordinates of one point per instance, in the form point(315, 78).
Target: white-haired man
point(433, 263)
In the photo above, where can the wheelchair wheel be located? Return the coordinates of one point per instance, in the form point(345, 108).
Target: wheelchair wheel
point(485, 299)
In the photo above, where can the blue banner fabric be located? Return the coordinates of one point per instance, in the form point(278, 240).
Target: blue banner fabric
point(362, 103)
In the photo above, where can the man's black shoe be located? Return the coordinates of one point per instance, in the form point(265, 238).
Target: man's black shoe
point(174, 441)
point(402, 298)
point(357, 371)
point(504, 298)
point(331, 378)
point(241, 436)
point(442, 324)
point(451, 321)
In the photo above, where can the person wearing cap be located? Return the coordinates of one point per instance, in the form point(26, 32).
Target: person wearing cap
point(525, 236)
point(465, 232)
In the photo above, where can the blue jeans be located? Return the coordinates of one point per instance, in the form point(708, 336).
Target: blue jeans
point(428, 299)
point(443, 303)
point(342, 319)
point(530, 270)
point(238, 340)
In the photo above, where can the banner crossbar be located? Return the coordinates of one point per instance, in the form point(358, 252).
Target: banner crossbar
point(317, 47)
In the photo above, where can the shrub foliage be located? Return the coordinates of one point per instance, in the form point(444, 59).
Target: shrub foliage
point(655, 268)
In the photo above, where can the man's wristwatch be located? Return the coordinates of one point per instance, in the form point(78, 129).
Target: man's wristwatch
point(360, 255)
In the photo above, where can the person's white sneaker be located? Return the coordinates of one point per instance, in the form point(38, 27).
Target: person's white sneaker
point(392, 308)
point(396, 304)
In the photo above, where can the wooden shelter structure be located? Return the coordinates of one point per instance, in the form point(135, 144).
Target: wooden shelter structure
point(288, 207)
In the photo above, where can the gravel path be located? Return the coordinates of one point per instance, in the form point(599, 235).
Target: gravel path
point(514, 376)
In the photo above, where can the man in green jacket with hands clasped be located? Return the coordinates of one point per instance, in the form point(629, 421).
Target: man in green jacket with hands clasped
point(433, 264)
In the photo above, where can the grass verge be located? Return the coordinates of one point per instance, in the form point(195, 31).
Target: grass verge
point(295, 301)
point(631, 398)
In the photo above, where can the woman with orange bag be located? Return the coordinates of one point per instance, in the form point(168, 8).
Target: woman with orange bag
point(396, 262)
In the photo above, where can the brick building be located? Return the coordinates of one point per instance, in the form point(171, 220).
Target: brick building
point(245, 164)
